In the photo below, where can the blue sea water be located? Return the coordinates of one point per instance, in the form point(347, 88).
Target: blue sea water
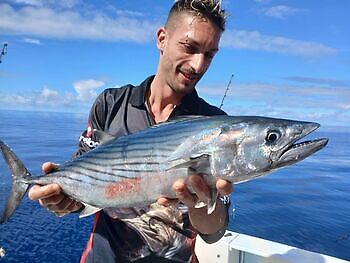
point(305, 205)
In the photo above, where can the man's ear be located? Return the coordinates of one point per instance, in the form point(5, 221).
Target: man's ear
point(161, 38)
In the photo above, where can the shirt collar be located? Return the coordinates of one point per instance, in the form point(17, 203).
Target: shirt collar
point(138, 95)
point(189, 103)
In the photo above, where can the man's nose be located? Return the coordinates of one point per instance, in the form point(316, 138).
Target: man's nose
point(198, 63)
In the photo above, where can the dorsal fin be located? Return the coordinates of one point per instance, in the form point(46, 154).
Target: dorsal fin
point(180, 119)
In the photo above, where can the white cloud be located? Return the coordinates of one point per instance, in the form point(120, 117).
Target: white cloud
point(262, 1)
point(282, 94)
point(324, 104)
point(86, 89)
point(318, 81)
point(59, 4)
point(46, 93)
point(47, 22)
point(32, 41)
point(280, 11)
point(253, 40)
point(14, 100)
point(41, 21)
point(344, 106)
point(28, 2)
point(85, 93)
point(127, 13)
point(43, 98)
point(328, 105)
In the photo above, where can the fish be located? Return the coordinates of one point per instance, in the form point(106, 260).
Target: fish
point(136, 169)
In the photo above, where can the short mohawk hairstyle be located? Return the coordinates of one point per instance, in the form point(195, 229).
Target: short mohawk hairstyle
point(210, 9)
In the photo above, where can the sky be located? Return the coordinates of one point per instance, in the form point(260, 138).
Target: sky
point(290, 59)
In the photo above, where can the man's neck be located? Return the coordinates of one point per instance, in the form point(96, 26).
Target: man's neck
point(161, 100)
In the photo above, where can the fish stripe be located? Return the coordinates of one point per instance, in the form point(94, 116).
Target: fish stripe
point(80, 174)
point(101, 175)
point(55, 179)
point(99, 171)
point(139, 148)
point(110, 157)
point(127, 162)
point(161, 136)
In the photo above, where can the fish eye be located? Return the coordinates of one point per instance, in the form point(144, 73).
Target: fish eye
point(272, 136)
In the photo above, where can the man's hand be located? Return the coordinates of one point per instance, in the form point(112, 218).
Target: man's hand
point(200, 220)
point(51, 197)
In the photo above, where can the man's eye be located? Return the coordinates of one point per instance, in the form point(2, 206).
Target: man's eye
point(209, 55)
point(189, 48)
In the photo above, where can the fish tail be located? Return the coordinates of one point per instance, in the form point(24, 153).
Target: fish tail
point(20, 185)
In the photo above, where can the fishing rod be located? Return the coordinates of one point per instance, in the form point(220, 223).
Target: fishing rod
point(3, 52)
point(227, 89)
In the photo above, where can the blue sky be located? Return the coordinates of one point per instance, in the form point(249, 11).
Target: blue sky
point(291, 59)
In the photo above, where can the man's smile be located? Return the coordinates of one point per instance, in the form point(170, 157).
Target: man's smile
point(189, 77)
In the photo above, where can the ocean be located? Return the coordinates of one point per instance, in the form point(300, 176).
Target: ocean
point(304, 205)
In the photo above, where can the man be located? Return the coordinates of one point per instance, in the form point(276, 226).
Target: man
point(165, 231)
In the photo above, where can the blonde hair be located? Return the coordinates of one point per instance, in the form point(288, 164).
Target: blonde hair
point(209, 9)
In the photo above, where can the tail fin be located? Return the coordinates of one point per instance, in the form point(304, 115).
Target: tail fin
point(19, 184)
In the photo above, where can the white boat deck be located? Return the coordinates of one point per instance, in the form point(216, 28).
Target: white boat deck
point(240, 248)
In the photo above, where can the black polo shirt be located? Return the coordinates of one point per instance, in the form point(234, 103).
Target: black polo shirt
point(120, 235)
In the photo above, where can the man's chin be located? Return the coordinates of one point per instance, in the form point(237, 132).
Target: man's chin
point(184, 88)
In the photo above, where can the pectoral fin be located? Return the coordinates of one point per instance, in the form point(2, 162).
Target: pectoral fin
point(198, 164)
point(89, 210)
point(197, 144)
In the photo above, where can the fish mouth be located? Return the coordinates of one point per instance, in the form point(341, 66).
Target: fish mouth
point(298, 150)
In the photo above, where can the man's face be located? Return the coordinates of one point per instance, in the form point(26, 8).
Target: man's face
point(187, 49)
